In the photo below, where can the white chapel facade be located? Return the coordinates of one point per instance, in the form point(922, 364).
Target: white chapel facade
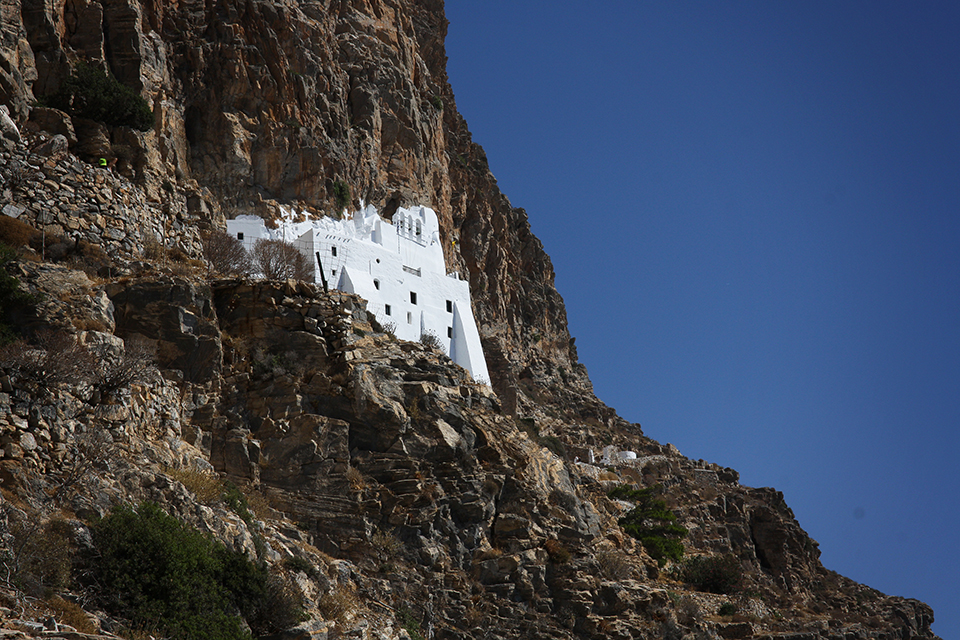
point(398, 268)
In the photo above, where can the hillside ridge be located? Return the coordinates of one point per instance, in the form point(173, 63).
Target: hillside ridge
point(392, 495)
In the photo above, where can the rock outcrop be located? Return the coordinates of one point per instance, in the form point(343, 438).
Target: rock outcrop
point(392, 494)
point(264, 103)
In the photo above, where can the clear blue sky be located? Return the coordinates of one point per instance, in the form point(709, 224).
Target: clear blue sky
point(753, 209)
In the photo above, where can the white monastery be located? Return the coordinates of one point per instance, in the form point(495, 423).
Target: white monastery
point(397, 267)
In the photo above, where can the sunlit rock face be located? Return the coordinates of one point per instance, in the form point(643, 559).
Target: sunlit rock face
point(269, 103)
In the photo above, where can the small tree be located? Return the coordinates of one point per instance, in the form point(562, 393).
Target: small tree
point(57, 357)
point(279, 260)
point(90, 93)
point(341, 194)
point(652, 523)
point(134, 365)
point(716, 574)
point(226, 254)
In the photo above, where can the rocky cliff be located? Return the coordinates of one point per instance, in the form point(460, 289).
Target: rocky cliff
point(392, 495)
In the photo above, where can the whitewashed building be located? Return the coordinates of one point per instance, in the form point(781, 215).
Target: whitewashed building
point(397, 267)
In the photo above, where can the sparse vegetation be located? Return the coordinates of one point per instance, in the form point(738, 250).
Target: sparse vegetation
point(70, 613)
point(339, 605)
point(390, 328)
point(554, 444)
point(615, 565)
point(727, 609)
point(205, 485)
point(12, 298)
point(16, 233)
point(40, 555)
point(715, 574)
point(386, 544)
point(652, 523)
point(356, 479)
point(90, 93)
point(279, 260)
point(341, 194)
point(226, 254)
point(302, 565)
point(557, 551)
point(430, 339)
point(163, 575)
point(410, 624)
point(58, 357)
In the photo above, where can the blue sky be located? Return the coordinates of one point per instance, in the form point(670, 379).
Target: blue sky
point(753, 209)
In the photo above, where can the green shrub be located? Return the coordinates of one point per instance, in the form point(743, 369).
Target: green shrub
point(12, 299)
point(727, 609)
point(163, 575)
point(715, 574)
point(235, 499)
point(554, 444)
point(341, 194)
point(90, 93)
point(652, 523)
point(410, 624)
point(302, 565)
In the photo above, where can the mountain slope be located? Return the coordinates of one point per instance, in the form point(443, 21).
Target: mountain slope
point(376, 462)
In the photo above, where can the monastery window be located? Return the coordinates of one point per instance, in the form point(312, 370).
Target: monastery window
point(333, 251)
point(413, 297)
point(333, 272)
point(409, 318)
point(449, 332)
point(418, 227)
point(449, 306)
point(376, 285)
point(386, 309)
point(240, 235)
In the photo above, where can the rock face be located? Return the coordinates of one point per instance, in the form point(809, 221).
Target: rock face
point(383, 470)
point(389, 489)
point(270, 102)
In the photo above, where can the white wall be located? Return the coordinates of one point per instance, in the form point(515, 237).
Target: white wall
point(385, 263)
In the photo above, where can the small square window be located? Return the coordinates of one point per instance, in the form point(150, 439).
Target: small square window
point(333, 272)
point(386, 309)
point(413, 297)
point(449, 332)
point(449, 306)
point(239, 235)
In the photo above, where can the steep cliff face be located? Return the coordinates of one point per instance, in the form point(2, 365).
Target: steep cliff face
point(265, 103)
point(378, 463)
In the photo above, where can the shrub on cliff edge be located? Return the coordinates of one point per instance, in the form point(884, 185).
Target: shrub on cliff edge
point(161, 574)
point(90, 93)
point(652, 523)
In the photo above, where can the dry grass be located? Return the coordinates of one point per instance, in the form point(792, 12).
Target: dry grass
point(339, 605)
point(615, 565)
point(386, 544)
point(16, 233)
point(488, 554)
point(557, 551)
point(356, 479)
point(207, 487)
point(259, 504)
point(72, 614)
